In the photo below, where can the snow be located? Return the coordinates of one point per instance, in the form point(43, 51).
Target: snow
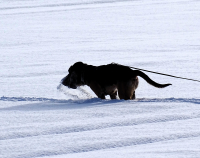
point(41, 39)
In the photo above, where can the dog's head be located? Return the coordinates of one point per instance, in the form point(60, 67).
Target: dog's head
point(74, 78)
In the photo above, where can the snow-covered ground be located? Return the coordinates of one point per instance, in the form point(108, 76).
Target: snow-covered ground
point(41, 39)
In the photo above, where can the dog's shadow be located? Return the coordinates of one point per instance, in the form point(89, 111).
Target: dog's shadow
point(43, 104)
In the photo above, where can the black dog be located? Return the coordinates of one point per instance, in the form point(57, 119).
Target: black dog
point(107, 79)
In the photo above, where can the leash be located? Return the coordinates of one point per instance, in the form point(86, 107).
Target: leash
point(159, 73)
point(164, 74)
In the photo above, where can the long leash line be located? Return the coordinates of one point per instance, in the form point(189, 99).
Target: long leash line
point(164, 74)
point(159, 73)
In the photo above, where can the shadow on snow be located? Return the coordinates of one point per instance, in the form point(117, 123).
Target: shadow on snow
point(53, 104)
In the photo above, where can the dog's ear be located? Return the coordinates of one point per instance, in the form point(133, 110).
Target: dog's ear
point(75, 66)
point(78, 64)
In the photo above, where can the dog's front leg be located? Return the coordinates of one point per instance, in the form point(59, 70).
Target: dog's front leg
point(113, 95)
point(102, 96)
point(96, 88)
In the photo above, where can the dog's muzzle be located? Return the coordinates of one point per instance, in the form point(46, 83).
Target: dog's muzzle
point(67, 81)
point(72, 86)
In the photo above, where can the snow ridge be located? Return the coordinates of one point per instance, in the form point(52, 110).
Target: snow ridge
point(21, 99)
point(150, 100)
point(58, 129)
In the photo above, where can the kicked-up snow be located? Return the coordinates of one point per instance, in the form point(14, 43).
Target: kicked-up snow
point(41, 118)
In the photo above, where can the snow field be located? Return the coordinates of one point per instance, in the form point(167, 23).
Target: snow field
point(40, 40)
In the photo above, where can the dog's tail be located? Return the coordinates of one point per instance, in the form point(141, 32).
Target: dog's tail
point(150, 81)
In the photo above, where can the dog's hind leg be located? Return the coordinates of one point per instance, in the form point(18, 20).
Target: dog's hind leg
point(123, 91)
point(133, 97)
point(134, 86)
point(126, 90)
